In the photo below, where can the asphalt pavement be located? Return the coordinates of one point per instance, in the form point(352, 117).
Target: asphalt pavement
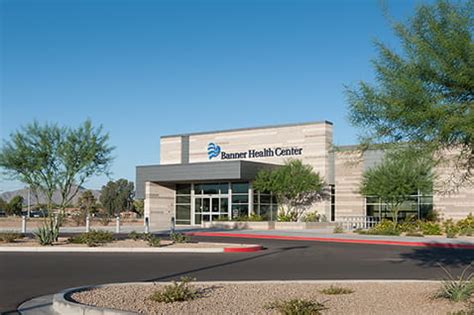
point(27, 275)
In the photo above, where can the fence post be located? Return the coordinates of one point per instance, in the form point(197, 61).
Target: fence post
point(147, 225)
point(23, 224)
point(88, 224)
point(117, 224)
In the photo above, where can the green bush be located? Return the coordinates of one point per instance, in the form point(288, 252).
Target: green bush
point(47, 234)
point(466, 225)
point(297, 307)
point(414, 234)
point(450, 228)
point(333, 290)
point(429, 228)
point(287, 217)
point(135, 236)
point(176, 292)
point(457, 289)
point(338, 229)
point(10, 237)
point(407, 227)
point(93, 238)
point(176, 237)
point(251, 218)
point(312, 217)
point(384, 227)
point(154, 241)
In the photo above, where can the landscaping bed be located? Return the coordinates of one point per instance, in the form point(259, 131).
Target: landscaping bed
point(256, 297)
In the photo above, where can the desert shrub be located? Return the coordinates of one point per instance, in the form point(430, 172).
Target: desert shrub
point(154, 241)
point(243, 218)
point(297, 307)
point(176, 292)
point(47, 234)
point(466, 225)
point(9, 237)
point(432, 216)
point(334, 290)
point(384, 227)
point(338, 229)
point(407, 227)
point(92, 238)
point(450, 228)
point(312, 217)
point(179, 237)
point(457, 289)
point(287, 217)
point(429, 228)
point(135, 236)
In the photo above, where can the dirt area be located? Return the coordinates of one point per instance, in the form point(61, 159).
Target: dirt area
point(62, 242)
point(235, 298)
point(15, 222)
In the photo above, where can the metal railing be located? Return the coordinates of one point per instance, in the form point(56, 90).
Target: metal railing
point(357, 222)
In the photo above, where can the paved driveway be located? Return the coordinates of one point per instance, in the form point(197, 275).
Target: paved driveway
point(27, 275)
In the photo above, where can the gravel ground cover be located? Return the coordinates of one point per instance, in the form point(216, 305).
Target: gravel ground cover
point(28, 242)
point(251, 298)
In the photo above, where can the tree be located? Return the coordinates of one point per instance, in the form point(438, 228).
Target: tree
point(400, 174)
point(87, 204)
point(3, 205)
point(295, 186)
point(139, 206)
point(49, 158)
point(117, 196)
point(15, 206)
point(425, 94)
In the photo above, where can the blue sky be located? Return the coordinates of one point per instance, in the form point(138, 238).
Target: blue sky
point(144, 69)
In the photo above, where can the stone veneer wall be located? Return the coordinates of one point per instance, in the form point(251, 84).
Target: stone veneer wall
point(348, 174)
point(159, 204)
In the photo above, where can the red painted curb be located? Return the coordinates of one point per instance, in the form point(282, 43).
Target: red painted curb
point(335, 240)
point(248, 249)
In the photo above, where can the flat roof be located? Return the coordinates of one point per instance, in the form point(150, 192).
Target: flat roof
point(249, 128)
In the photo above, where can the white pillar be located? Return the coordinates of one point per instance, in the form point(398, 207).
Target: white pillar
point(117, 224)
point(88, 224)
point(23, 224)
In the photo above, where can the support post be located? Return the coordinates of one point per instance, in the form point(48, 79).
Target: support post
point(23, 224)
point(147, 225)
point(117, 224)
point(88, 224)
point(173, 225)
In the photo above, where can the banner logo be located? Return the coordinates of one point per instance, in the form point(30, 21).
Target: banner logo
point(213, 150)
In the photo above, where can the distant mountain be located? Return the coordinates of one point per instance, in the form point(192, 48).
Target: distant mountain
point(8, 195)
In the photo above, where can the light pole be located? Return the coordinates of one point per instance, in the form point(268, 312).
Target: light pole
point(29, 204)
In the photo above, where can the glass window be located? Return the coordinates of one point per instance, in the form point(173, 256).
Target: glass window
point(197, 189)
point(240, 210)
point(265, 198)
point(240, 188)
point(183, 189)
point(224, 204)
point(265, 212)
point(197, 219)
point(238, 199)
point(224, 187)
point(183, 199)
point(210, 189)
point(183, 212)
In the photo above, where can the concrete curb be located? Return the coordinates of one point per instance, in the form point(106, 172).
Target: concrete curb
point(336, 240)
point(50, 249)
point(62, 305)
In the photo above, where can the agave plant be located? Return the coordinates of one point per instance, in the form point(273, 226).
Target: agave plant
point(457, 289)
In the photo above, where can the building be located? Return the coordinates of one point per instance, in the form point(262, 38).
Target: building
point(207, 176)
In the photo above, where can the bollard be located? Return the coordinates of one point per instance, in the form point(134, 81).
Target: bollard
point(117, 224)
point(88, 224)
point(23, 224)
point(173, 225)
point(147, 225)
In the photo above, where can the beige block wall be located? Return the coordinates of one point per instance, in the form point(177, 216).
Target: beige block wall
point(450, 199)
point(170, 150)
point(348, 174)
point(159, 204)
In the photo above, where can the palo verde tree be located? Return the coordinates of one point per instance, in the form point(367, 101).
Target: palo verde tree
point(295, 186)
point(15, 206)
point(400, 175)
point(117, 196)
point(424, 94)
point(49, 158)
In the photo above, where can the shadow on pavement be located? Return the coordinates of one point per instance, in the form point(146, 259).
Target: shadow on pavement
point(253, 257)
point(432, 257)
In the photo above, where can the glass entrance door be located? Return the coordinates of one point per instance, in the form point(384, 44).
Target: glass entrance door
point(210, 208)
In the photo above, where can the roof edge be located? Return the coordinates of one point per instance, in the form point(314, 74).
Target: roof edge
point(249, 128)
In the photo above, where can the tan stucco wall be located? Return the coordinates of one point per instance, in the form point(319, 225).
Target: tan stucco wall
point(159, 204)
point(348, 174)
point(170, 150)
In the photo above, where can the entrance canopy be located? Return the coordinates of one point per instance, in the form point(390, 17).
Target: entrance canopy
point(198, 172)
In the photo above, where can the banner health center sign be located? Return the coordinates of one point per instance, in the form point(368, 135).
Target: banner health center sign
point(214, 151)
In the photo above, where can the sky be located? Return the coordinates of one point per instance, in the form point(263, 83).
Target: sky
point(143, 69)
